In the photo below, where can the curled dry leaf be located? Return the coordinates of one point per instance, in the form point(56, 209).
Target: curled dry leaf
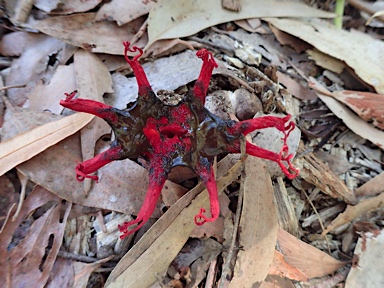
point(360, 51)
point(123, 12)
point(369, 106)
point(281, 268)
point(81, 30)
point(308, 259)
point(175, 19)
point(353, 122)
point(31, 260)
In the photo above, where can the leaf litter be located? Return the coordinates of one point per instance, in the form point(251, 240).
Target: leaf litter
point(45, 148)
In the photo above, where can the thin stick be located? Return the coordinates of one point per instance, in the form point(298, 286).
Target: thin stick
point(237, 217)
point(12, 86)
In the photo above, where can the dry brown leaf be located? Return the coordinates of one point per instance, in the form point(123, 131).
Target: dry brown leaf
point(84, 270)
point(62, 274)
point(372, 187)
point(31, 260)
point(170, 19)
point(352, 212)
point(47, 96)
point(258, 226)
point(306, 258)
point(159, 246)
point(281, 268)
point(287, 39)
point(295, 88)
point(100, 37)
point(123, 12)
point(352, 121)
point(369, 106)
point(8, 196)
point(326, 61)
point(360, 51)
point(29, 144)
point(93, 79)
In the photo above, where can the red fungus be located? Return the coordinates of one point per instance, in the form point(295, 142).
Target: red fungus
point(167, 136)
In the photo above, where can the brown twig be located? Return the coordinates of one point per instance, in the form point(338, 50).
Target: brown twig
point(12, 86)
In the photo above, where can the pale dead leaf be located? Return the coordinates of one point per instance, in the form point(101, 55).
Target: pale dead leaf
point(306, 258)
point(210, 229)
point(352, 121)
point(258, 226)
point(46, 5)
point(32, 66)
point(326, 61)
point(20, 120)
point(372, 187)
point(69, 6)
point(365, 58)
point(47, 96)
point(100, 37)
point(152, 255)
point(175, 19)
point(368, 271)
point(27, 260)
point(352, 212)
point(295, 88)
point(62, 274)
point(281, 268)
point(13, 44)
point(93, 79)
point(29, 144)
point(123, 12)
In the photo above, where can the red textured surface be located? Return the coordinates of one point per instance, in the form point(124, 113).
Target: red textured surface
point(167, 136)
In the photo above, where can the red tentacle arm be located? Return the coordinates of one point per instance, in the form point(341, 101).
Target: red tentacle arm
point(89, 106)
point(208, 178)
point(92, 165)
point(247, 126)
point(157, 179)
point(145, 89)
point(254, 150)
point(201, 85)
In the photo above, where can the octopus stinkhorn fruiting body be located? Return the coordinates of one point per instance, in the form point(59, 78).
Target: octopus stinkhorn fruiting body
point(171, 135)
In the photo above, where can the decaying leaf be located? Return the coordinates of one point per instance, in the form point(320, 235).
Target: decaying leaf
point(308, 259)
point(29, 144)
point(369, 106)
point(81, 30)
point(369, 253)
point(175, 19)
point(352, 121)
point(123, 12)
point(258, 226)
point(281, 268)
point(360, 51)
point(32, 258)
